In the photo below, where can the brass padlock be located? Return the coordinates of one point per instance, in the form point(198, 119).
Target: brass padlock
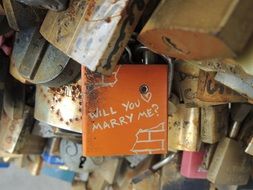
point(51, 103)
point(21, 16)
point(38, 62)
point(16, 137)
point(230, 165)
point(89, 26)
point(214, 123)
point(183, 129)
point(54, 5)
point(215, 28)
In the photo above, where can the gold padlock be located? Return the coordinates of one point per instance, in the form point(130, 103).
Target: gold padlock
point(94, 33)
point(183, 129)
point(197, 30)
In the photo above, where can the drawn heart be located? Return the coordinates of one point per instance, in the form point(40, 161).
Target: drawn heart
point(146, 97)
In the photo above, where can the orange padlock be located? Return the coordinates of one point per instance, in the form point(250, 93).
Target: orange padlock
point(125, 113)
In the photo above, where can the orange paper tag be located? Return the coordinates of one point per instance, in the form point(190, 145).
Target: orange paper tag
point(125, 113)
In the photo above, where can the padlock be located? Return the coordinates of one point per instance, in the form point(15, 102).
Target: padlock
point(191, 165)
point(14, 98)
point(140, 110)
point(217, 34)
point(71, 154)
point(183, 129)
point(54, 5)
point(89, 26)
point(16, 137)
point(58, 173)
point(51, 154)
point(230, 165)
point(20, 16)
point(51, 103)
point(39, 62)
point(214, 123)
point(209, 90)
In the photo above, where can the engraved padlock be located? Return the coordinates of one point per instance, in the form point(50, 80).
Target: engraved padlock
point(88, 26)
point(54, 5)
point(230, 165)
point(216, 34)
point(51, 104)
point(183, 129)
point(38, 62)
point(20, 16)
point(111, 109)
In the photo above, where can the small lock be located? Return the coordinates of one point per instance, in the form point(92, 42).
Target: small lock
point(183, 129)
point(109, 33)
point(54, 5)
point(217, 35)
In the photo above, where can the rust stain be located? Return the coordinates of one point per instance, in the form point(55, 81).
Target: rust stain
point(90, 9)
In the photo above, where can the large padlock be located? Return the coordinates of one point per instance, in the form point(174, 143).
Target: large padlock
point(132, 101)
point(16, 136)
point(54, 5)
point(39, 62)
point(20, 16)
point(215, 28)
point(51, 103)
point(214, 123)
point(94, 33)
point(183, 129)
point(230, 165)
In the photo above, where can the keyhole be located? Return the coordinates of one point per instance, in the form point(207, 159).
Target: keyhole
point(82, 161)
point(144, 89)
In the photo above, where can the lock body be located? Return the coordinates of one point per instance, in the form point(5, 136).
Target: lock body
point(214, 123)
point(183, 129)
point(132, 101)
point(217, 34)
point(101, 29)
point(60, 107)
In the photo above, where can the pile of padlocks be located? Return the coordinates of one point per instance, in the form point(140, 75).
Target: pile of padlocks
point(128, 94)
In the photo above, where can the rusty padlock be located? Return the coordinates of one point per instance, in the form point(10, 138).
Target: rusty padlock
point(89, 26)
